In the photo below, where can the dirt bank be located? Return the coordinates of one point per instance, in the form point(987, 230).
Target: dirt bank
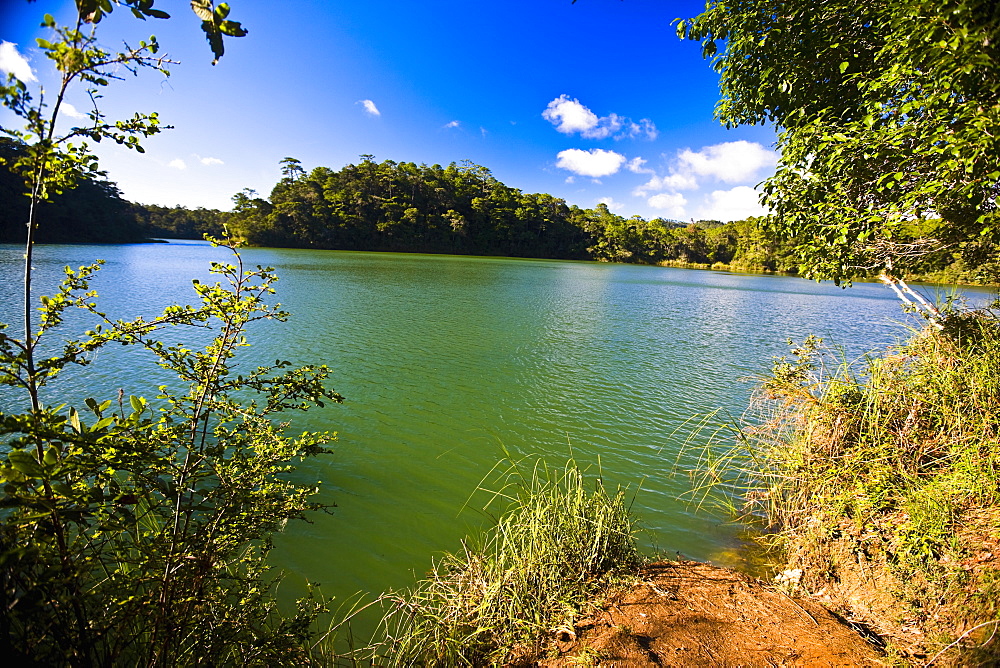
point(686, 613)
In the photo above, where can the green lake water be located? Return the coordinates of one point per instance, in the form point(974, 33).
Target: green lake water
point(447, 362)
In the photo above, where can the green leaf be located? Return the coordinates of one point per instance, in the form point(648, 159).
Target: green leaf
point(25, 463)
point(136, 403)
point(51, 456)
point(202, 8)
point(62, 489)
point(232, 28)
point(8, 474)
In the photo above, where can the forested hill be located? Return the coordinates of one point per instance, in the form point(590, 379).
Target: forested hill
point(392, 206)
point(463, 208)
point(94, 212)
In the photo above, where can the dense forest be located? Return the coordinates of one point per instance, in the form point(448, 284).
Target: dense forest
point(458, 209)
point(94, 212)
point(463, 208)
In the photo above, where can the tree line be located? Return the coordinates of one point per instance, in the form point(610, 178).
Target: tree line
point(93, 211)
point(458, 209)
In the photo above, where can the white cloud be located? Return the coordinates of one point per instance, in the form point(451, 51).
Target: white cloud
point(571, 116)
point(596, 162)
point(729, 162)
point(370, 107)
point(570, 179)
point(675, 181)
point(12, 62)
point(643, 127)
point(672, 204)
point(636, 165)
point(611, 203)
point(177, 163)
point(211, 161)
point(71, 111)
point(737, 162)
point(728, 205)
point(452, 124)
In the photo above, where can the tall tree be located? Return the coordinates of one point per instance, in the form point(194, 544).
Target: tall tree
point(291, 168)
point(889, 120)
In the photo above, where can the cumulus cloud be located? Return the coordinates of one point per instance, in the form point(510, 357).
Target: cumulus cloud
point(672, 204)
point(570, 116)
point(636, 165)
point(211, 161)
point(596, 162)
point(452, 124)
point(370, 107)
point(675, 181)
point(71, 111)
point(177, 163)
point(729, 162)
point(611, 203)
point(12, 62)
point(734, 204)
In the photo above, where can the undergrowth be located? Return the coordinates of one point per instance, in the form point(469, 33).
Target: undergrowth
point(885, 473)
point(558, 539)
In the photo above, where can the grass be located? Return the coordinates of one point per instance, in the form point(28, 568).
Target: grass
point(890, 465)
point(558, 539)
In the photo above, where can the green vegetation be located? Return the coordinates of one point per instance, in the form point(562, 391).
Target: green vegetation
point(880, 481)
point(92, 211)
point(178, 222)
point(887, 115)
point(885, 476)
point(557, 542)
point(136, 532)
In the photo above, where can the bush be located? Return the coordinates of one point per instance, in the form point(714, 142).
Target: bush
point(892, 468)
point(136, 532)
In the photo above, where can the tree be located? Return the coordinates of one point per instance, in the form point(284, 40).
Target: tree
point(889, 121)
point(136, 532)
point(291, 168)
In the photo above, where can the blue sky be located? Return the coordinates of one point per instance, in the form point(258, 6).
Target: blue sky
point(593, 101)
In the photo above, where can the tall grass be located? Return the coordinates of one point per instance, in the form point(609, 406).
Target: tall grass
point(897, 459)
point(557, 540)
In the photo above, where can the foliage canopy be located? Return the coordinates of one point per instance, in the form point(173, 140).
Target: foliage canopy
point(889, 120)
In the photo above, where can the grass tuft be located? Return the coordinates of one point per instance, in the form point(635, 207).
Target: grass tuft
point(558, 539)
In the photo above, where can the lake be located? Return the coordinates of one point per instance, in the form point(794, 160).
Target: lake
point(447, 363)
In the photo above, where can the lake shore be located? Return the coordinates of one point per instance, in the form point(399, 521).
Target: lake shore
point(687, 613)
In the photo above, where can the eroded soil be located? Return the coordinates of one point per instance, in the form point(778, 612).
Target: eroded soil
point(686, 613)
